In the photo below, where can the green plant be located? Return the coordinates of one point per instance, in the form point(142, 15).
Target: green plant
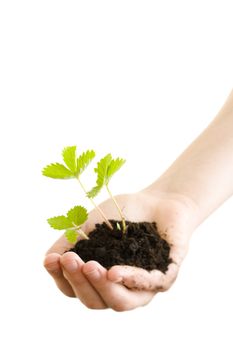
point(105, 169)
point(71, 223)
point(75, 166)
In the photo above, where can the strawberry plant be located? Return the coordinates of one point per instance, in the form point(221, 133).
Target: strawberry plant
point(73, 169)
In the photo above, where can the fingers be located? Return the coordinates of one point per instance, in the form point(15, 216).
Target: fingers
point(90, 284)
point(115, 295)
point(121, 288)
point(52, 265)
point(67, 274)
point(140, 279)
point(72, 271)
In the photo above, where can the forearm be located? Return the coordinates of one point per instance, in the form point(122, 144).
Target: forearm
point(204, 172)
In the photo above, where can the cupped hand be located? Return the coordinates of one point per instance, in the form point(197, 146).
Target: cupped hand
point(123, 287)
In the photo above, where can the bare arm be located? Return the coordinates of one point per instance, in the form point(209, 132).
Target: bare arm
point(204, 171)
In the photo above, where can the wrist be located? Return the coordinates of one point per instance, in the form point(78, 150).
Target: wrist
point(164, 192)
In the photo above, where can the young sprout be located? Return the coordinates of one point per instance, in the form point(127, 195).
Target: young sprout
point(118, 226)
point(71, 222)
point(73, 169)
point(105, 169)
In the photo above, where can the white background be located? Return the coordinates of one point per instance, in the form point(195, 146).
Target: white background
point(140, 79)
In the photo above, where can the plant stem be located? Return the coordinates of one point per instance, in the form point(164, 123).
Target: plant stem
point(82, 233)
point(95, 205)
point(118, 208)
point(79, 231)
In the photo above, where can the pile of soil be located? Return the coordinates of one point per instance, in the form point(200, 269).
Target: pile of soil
point(141, 246)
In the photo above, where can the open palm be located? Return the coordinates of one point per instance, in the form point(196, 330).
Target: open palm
point(124, 287)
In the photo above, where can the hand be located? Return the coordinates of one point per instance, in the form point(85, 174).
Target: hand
point(123, 287)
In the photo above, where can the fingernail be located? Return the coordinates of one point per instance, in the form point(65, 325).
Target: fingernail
point(71, 265)
point(93, 274)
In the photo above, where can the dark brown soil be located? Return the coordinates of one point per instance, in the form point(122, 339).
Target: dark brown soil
point(140, 246)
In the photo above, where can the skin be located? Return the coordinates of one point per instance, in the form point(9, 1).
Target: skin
point(195, 185)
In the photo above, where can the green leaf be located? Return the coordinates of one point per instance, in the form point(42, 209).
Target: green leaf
point(71, 236)
point(57, 171)
point(84, 160)
point(101, 170)
point(69, 157)
point(60, 222)
point(77, 215)
point(113, 167)
point(105, 169)
point(94, 191)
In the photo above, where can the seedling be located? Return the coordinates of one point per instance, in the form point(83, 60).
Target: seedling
point(71, 223)
point(105, 169)
point(77, 216)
